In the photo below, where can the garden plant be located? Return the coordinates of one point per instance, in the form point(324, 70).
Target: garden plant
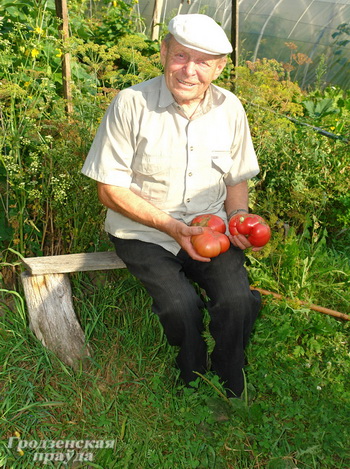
point(128, 406)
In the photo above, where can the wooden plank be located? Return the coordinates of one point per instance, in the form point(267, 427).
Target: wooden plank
point(52, 317)
point(66, 263)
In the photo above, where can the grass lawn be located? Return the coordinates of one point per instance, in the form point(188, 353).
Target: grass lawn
point(130, 410)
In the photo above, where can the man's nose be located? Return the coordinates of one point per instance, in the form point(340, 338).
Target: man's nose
point(190, 68)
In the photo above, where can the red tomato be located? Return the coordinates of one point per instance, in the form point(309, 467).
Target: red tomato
point(212, 221)
point(210, 243)
point(225, 243)
point(252, 226)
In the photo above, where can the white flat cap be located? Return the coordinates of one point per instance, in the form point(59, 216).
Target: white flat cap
point(200, 32)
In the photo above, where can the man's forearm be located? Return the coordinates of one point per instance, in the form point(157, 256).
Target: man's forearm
point(237, 197)
point(126, 202)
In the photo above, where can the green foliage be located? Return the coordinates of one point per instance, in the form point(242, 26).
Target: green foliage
point(304, 267)
point(295, 161)
point(41, 157)
point(299, 350)
point(303, 174)
point(114, 20)
point(264, 83)
point(294, 413)
point(130, 61)
point(29, 43)
point(41, 153)
point(329, 108)
point(319, 108)
point(341, 39)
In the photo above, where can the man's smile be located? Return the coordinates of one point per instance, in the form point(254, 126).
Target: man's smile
point(186, 82)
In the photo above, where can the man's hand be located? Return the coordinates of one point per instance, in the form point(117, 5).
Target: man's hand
point(241, 242)
point(182, 233)
point(237, 198)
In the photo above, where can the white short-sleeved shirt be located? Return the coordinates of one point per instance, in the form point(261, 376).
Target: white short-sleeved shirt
point(180, 165)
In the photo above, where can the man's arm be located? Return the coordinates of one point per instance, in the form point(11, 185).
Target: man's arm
point(126, 202)
point(237, 198)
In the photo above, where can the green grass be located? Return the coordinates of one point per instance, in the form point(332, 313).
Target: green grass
point(294, 413)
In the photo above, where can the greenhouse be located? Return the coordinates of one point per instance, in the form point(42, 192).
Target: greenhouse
point(317, 32)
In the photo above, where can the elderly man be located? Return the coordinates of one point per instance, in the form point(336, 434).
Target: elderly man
point(169, 149)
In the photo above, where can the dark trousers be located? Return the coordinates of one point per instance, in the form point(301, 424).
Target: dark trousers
point(232, 306)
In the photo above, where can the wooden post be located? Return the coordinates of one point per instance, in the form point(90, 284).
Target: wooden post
point(157, 11)
point(234, 39)
point(62, 13)
point(180, 7)
point(52, 317)
point(48, 295)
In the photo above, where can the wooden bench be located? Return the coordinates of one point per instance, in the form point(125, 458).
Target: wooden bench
point(51, 313)
point(48, 295)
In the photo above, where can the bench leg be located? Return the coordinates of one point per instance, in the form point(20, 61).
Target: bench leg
point(52, 317)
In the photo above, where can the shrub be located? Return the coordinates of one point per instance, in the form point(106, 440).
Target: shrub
point(303, 173)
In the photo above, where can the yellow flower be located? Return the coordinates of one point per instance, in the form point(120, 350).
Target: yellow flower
point(38, 30)
point(332, 128)
point(59, 53)
point(34, 53)
point(114, 3)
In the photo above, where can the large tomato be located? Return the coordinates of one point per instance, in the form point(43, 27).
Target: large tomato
point(212, 221)
point(252, 226)
point(210, 243)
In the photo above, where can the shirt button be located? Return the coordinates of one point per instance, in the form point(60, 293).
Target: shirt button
point(190, 174)
point(191, 148)
point(188, 200)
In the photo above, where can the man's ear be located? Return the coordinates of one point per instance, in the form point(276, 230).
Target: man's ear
point(219, 67)
point(163, 52)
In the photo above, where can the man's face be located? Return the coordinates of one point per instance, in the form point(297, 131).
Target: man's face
point(188, 73)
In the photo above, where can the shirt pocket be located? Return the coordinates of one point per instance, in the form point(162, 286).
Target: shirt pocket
point(151, 174)
point(221, 161)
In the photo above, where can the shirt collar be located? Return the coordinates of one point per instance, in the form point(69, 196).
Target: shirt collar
point(165, 97)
